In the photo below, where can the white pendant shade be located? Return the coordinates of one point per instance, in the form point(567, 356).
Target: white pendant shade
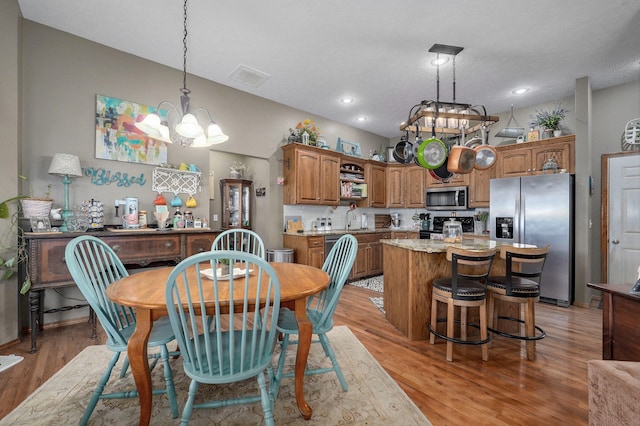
point(189, 127)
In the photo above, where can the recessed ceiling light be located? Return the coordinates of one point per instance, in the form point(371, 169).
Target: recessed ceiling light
point(346, 100)
point(520, 91)
point(361, 118)
point(440, 61)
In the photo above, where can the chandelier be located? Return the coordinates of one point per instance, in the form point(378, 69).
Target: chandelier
point(182, 126)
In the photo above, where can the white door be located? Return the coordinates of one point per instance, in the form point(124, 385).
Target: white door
point(624, 219)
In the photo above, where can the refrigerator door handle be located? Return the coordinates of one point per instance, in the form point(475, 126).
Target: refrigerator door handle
point(522, 223)
point(517, 222)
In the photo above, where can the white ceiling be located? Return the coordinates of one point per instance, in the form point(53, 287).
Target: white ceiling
point(375, 51)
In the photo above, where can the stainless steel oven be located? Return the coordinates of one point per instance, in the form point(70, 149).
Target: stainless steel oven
point(447, 198)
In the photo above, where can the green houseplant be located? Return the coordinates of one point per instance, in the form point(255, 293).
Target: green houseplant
point(550, 119)
point(12, 254)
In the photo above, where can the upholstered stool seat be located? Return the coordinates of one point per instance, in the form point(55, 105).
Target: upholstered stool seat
point(520, 284)
point(465, 288)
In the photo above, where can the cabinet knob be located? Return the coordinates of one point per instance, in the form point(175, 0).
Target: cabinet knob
point(200, 249)
point(116, 248)
point(168, 244)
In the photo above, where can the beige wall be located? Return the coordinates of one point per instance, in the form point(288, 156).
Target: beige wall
point(10, 101)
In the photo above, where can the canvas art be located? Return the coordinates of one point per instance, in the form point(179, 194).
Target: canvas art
point(117, 137)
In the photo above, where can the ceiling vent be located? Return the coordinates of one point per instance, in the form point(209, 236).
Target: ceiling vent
point(249, 76)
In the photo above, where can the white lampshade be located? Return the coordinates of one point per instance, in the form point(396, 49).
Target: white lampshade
point(189, 127)
point(65, 164)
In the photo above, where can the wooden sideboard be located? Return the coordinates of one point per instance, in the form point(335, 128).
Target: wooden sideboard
point(620, 328)
point(136, 249)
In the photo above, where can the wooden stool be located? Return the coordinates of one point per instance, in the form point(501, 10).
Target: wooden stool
point(465, 288)
point(521, 284)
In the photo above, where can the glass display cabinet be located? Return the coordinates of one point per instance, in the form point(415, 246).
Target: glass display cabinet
point(236, 203)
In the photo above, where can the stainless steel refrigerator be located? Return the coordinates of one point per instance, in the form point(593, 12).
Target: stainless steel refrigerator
point(539, 210)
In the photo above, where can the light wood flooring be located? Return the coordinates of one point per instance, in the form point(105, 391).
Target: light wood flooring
point(506, 390)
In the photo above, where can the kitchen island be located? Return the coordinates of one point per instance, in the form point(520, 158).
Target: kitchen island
point(410, 266)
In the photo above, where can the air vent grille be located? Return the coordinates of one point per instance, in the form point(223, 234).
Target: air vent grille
point(250, 76)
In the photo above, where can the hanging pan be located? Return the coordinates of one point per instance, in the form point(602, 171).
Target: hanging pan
point(511, 132)
point(432, 152)
point(486, 155)
point(461, 158)
point(403, 151)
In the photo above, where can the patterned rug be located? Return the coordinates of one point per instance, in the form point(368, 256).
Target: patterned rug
point(374, 284)
point(373, 397)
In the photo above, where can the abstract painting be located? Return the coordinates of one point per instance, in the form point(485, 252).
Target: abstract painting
point(117, 137)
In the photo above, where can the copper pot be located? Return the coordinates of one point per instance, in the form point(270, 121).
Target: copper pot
point(461, 159)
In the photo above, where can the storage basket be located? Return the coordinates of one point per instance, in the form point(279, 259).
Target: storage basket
point(36, 207)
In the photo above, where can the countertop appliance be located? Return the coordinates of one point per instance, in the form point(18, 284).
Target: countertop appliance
point(438, 226)
point(447, 198)
point(539, 210)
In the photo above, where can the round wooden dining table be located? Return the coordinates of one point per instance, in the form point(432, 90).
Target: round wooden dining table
point(145, 292)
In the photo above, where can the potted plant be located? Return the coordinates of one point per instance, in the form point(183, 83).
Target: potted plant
point(12, 254)
point(224, 267)
point(549, 120)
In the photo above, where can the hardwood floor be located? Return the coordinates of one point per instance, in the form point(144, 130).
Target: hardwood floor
point(506, 390)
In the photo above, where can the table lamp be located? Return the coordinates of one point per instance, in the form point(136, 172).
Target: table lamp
point(67, 166)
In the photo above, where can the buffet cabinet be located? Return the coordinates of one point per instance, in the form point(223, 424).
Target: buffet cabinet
point(136, 249)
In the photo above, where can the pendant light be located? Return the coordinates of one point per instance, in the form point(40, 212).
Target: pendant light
point(182, 126)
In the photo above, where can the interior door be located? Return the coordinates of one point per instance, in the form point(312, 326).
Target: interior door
point(623, 219)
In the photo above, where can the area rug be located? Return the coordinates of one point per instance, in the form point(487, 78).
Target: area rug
point(373, 397)
point(374, 283)
point(8, 361)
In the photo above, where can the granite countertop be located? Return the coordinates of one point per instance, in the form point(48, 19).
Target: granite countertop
point(350, 231)
point(439, 246)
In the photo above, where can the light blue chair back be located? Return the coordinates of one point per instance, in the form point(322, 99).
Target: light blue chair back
point(94, 266)
point(243, 240)
point(233, 339)
point(320, 310)
point(321, 306)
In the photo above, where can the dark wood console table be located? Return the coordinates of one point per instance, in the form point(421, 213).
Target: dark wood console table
point(620, 325)
point(136, 249)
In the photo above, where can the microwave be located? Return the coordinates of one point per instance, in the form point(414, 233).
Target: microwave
point(447, 198)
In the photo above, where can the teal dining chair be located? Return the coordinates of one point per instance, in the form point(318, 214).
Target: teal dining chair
point(244, 240)
point(243, 308)
point(94, 266)
point(320, 309)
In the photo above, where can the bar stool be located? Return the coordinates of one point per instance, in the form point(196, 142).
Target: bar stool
point(520, 284)
point(465, 288)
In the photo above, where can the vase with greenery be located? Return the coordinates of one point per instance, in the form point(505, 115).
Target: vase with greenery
point(549, 120)
point(224, 267)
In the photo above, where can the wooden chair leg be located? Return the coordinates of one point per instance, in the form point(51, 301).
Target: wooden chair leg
point(530, 330)
point(483, 331)
point(490, 308)
point(450, 328)
point(434, 318)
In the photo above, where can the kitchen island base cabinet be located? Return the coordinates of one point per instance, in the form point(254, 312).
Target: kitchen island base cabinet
point(408, 278)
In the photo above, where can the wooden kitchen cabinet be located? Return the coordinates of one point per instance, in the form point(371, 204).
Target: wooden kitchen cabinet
point(376, 176)
point(368, 260)
point(306, 250)
point(198, 243)
point(479, 187)
point(311, 175)
point(455, 180)
point(405, 186)
point(528, 158)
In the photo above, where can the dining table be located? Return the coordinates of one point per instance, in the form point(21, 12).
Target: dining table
point(145, 293)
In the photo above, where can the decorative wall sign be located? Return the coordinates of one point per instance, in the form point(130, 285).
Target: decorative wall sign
point(349, 148)
point(117, 137)
point(100, 176)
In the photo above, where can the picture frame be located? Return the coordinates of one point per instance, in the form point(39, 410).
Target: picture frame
point(40, 224)
point(349, 148)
